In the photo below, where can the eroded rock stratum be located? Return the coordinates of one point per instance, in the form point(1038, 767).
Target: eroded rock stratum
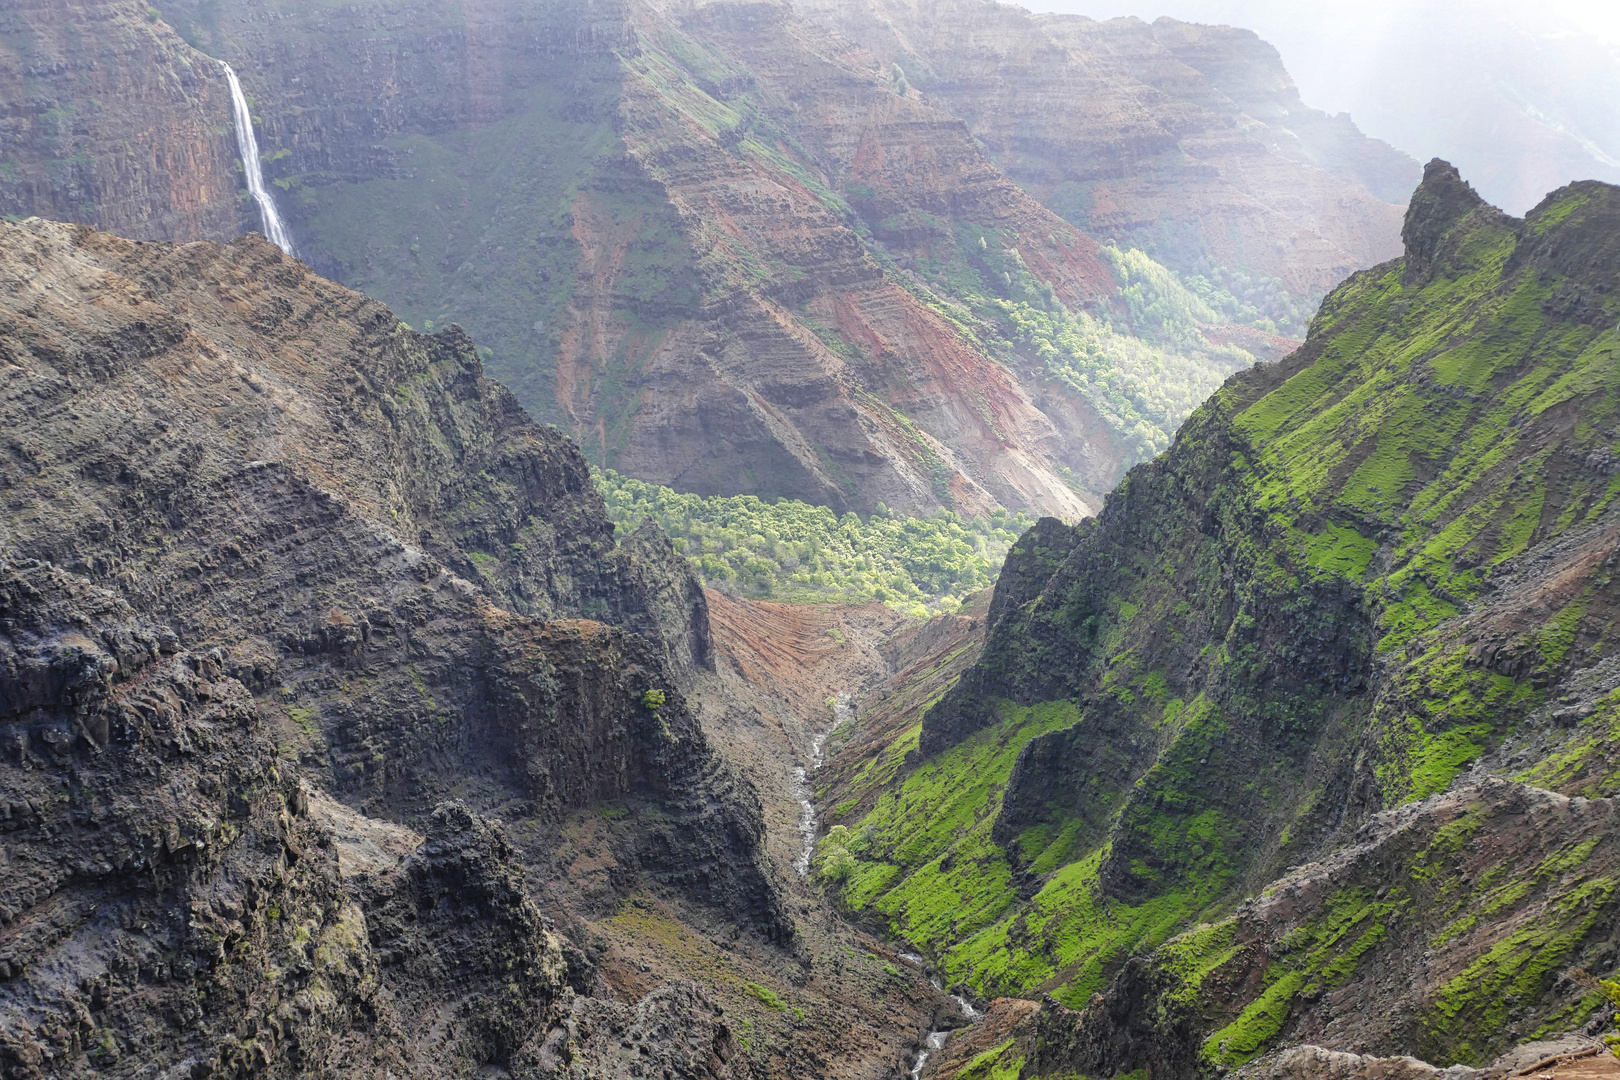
point(311, 642)
point(880, 257)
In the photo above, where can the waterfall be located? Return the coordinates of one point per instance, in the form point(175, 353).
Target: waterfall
point(935, 1041)
point(248, 146)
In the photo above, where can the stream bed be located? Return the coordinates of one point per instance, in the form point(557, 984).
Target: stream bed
point(935, 1040)
point(843, 711)
point(843, 708)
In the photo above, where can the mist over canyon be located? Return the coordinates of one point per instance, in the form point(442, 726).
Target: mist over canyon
point(747, 539)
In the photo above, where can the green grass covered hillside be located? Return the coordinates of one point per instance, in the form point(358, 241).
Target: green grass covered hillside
point(1359, 578)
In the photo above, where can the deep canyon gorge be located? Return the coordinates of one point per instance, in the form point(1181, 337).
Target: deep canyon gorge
point(745, 539)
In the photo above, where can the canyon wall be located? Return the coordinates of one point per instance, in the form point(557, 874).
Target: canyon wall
point(1187, 141)
point(1340, 661)
point(725, 248)
point(313, 642)
point(111, 119)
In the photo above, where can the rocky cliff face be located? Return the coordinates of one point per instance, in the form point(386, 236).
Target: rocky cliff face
point(1372, 575)
point(729, 250)
point(1187, 141)
point(110, 118)
point(288, 587)
point(716, 321)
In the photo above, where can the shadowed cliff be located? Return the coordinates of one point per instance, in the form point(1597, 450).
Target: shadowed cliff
point(311, 640)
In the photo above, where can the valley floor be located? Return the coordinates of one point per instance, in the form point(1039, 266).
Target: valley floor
point(851, 1004)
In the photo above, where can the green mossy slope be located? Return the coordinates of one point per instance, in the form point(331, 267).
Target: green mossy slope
point(1356, 575)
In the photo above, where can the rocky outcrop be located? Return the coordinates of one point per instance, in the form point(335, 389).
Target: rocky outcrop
point(675, 1030)
point(111, 119)
point(1435, 930)
point(284, 582)
point(1444, 200)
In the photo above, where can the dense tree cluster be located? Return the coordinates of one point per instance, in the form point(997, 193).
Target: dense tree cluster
point(1262, 302)
point(789, 550)
point(1143, 391)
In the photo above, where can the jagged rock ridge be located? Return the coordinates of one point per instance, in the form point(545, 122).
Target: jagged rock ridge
point(1359, 618)
point(282, 581)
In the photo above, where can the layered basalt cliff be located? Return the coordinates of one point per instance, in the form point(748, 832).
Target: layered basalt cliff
point(723, 247)
point(110, 118)
point(284, 581)
point(716, 321)
point(1374, 574)
point(1187, 141)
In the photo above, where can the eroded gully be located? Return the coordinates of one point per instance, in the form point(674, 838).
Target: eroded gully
point(844, 712)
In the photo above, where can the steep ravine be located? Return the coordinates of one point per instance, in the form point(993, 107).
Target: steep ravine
point(342, 735)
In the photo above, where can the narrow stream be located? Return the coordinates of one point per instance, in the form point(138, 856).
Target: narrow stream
point(935, 1040)
point(843, 711)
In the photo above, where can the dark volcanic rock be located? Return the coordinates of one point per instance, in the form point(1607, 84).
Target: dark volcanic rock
point(261, 541)
point(1442, 201)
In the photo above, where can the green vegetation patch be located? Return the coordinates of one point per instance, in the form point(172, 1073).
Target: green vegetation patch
point(998, 1063)
point(1144, 368)
point(925, 860)
point(790, 550)
point(766, 996)
point(1070, 937)
point(1341, 549)
point(1460, 1024)
point(1257, 1025)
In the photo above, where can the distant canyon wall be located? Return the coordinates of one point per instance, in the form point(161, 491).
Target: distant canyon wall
point(736, 248)
point(110, 118)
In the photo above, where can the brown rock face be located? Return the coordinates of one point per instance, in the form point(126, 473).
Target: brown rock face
point(724, 248)
point(112, 120)
point(1187, 141)
point(718, 321)
point(729, 250)
point(888, 399)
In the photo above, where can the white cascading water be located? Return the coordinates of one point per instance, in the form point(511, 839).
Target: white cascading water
point(843, 711)
point(248, 146)
point(935, 1041)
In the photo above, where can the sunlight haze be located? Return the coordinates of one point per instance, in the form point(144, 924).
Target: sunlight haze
point(1521, 98)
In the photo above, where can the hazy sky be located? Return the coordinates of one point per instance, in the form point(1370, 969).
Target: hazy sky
point(1522, 96)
